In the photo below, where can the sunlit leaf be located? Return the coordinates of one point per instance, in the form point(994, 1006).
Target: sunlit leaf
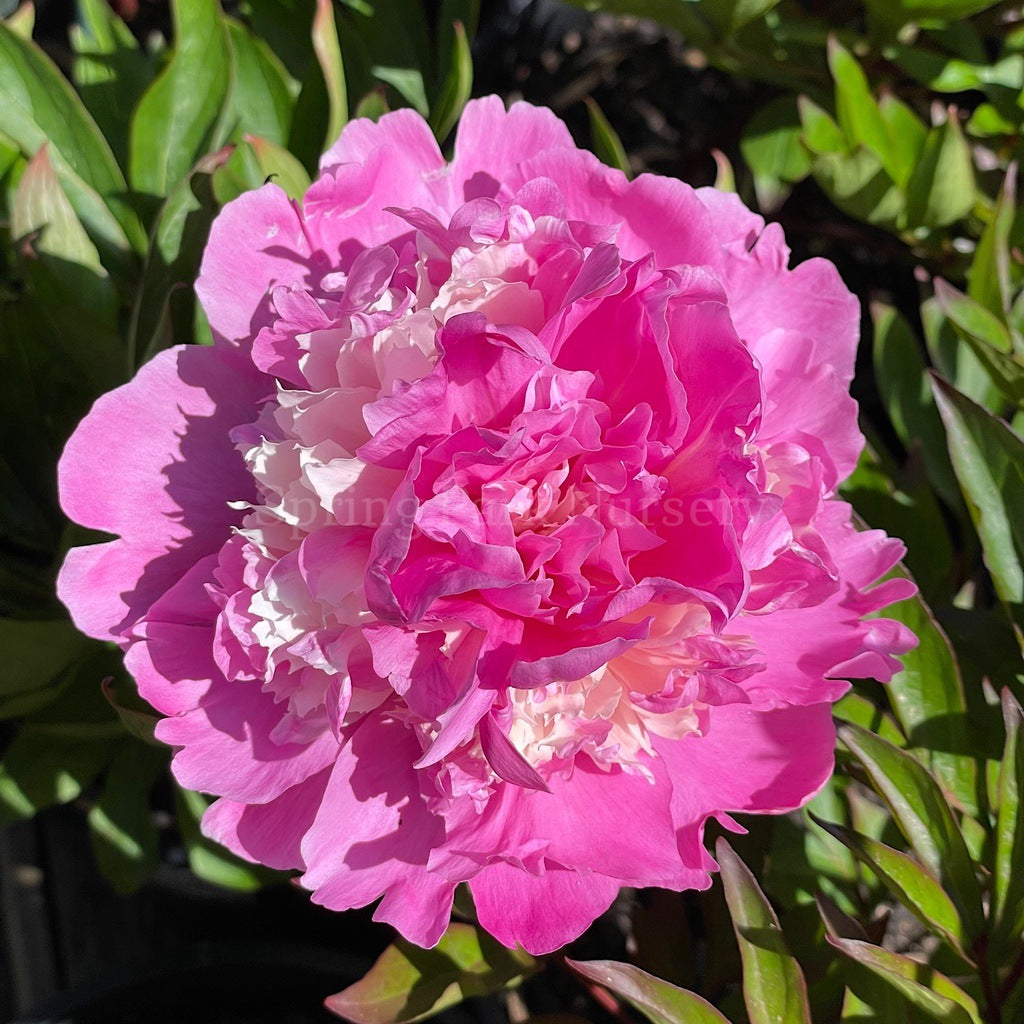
point(328, 55)
point(174, 123)
point(920, 810)
point(657, 1000)
point(1008, 881)
point(774, 989)
point(456, 88)
point(988, 458)
point(607, 144)
point(408, 983)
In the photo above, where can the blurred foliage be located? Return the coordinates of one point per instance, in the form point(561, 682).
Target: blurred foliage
point(898, 894)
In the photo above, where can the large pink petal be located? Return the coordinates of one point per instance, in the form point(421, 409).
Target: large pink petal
point(767, 762)
point(256, 243)
point(176, 471)
point(543, 913)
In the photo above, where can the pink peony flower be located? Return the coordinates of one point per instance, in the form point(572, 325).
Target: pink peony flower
point(496, 538)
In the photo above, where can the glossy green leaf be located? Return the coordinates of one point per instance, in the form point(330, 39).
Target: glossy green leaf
point(138, 722)
point(907, 136)
point(606, 142)
point(207, 859)
point(941, 190)
point(263, 93)
point(955, 360)
point(925, 989)
point(772, 147)
point(110, 71)
point(903, 383)
point(657, 1000)
point(175, 121)
point(41, 768)
point(279, 166)
point(774, 989)
point(163, 308)
point(33, 653)
point(988, 337)
point(407, 82)
point(456, 88)
point(856, 709)
point(328, 55)
point(988, 458)
point(41, 206)
point(37, 106)
point(22, 21)
point(821, 134)
point(920, 810)
point(917, 889)
point(857, 112)
point(989, 277)
point(1008, 881)
point(927, 695)
point(408, 983)
point(121, 827)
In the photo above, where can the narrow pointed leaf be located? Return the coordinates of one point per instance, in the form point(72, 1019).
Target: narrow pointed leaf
point(279, 166)
point(408, 983)
point(262, 93)
point(917, 889)
point(989, 277)
point(607, 144)
point(927, 696)
point(456, 88)
point(858, 114)
point(1008, 883)
point(328, 55)
point(988, 458)
point(657, 1000)
point(39, 106)
point(941, 190)
point(920, 810)
point(774, 989)
point(174, 122)
point(926, 989)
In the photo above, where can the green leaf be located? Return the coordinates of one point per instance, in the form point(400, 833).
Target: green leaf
point(37, 105)
point(278, 165)
point(407, 82)
point(920, 810)
point(163, 313)
point(988, 458)
point(22, 21)
point(141, 724)
point(122, 831)
point(917, 889)
point(821, 135)
point(903, 383)
point(923, 987)
point(859, 117)
point(907, 137)
point(174, 123)
point(408, 983)
point(40, 205)
point(989, 277)
point(109, 70)
point(774, 989)
point(41, 768)
point(34, 653)
point(208, 861)
point(988, 338)
point(1008, 881)
point(859, 185)
point(456, 88)
point(605, 140)
point(328, 55)
point(771, 145)
point(955, 360)
point(941, 190)
point(657, 1000)
point(262, 93)
point(927, 695)
point(373, 105)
